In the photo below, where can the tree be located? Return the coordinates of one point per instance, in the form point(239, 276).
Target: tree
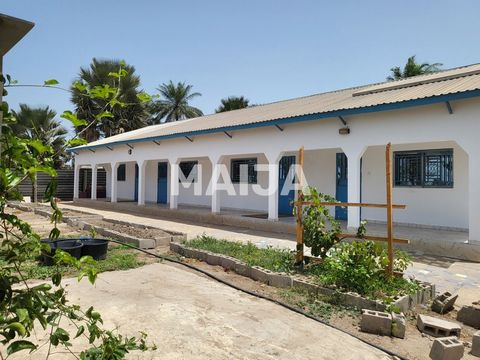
point(232, 103)
point(412, 68)
point(174, 103)
point(39, 124)
point(129, 114)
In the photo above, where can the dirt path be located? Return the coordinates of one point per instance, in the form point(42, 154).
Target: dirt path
point(190, 316)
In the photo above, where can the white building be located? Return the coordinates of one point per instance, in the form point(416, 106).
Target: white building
point(432, 121)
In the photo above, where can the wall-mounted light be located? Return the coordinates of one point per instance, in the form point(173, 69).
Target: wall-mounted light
point(129, 151)
point(344, 131)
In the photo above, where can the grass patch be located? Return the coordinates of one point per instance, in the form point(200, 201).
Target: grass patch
point(118, 258)
point(278, 260)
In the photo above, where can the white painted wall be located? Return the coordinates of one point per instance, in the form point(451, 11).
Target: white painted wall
point(126, 189)
point(320, 169)
point(446, 207)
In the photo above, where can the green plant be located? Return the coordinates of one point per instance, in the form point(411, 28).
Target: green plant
point(320, 229)
point(360, 266)
point(93, 232)
point(23, 305)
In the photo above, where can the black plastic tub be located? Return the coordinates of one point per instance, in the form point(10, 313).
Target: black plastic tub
point(73, 247)
point(96, 248)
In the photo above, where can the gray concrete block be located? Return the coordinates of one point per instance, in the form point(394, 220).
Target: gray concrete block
point(189, 253)
point(301, 284)
point(280, 280)
point(447, 348)
point(162, 240)
point(228, 262)
point(398, 325)
point(437, 327)
point(443, 303)
point(176, 247)
point(259, 274)
point(470, 315)
point(476, 344)
point(376, 322)
point(241, 268)
point(402, 302)
point(213, 259)
point(200, 255)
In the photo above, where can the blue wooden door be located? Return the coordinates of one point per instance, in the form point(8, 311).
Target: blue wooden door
point(162, 183)
point(136, 183)
point(285, 199)
point(342, 186)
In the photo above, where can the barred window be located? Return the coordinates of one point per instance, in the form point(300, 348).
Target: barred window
point(251, 172)
point(424, 168)
point(121, 172)
point(187, 167)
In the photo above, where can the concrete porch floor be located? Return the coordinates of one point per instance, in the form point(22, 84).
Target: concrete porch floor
point(429, 241)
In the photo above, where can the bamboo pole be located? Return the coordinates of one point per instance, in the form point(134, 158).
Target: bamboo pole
point(389, 207)
point(299, 227)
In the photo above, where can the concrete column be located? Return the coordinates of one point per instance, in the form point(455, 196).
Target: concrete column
point(214, 184)
point(173, 164)
point(473, 195)
point(113, 182)
point(76, 182)
point(273, 189)
point(94, 182)
point(141, 182)
point(353, 175)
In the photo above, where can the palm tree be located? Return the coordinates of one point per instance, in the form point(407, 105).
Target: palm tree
point(232, 103)
point(39, 123)
point(173, 105)
point(125, 118)
point(412, 68)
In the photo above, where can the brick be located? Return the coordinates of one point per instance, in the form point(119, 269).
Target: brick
point(242, 269)
point(470, 315)
point(437, 327)
point(376, 322)
point(279, 280)
point(443, 303)
point(398, 325)
point(213, 259)
point(476, 344)
point(259, 274)
point(446, 348)
point(228, 262)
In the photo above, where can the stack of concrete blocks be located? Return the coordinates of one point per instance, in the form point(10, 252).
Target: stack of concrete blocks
point(476, 344)
point(437, 327)
point(447, 348)
point(443, 303)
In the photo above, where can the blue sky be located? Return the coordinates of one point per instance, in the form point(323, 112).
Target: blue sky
point(266, 50)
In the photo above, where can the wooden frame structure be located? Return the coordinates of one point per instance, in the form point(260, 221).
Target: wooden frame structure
point(389, 206)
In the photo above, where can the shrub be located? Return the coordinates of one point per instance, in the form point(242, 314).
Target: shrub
point(360, 266)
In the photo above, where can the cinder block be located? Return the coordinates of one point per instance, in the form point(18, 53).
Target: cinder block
point(443, 303)
point(398, 325)
point(176, 247)
point(242, 268)
point(280, 280)
point(200, 255)
point(259, 274)
point(470, 315)
point(213, 259)
point(476, 344)
point(402, 302)
point(447, 348)
point(437, 327)
point(228, 262)
point(303, 285)
point(376, 322)
point(189, 253)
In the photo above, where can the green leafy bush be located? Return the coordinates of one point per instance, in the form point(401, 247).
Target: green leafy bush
point(278, 260)
point(360, 266)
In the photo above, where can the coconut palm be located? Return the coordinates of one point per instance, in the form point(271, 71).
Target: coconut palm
point(412, 68)
point(39, 123)
point(174, 103)
point(131, 116)
point(232, 103)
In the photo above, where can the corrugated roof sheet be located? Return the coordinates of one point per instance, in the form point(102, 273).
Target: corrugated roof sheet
point(445, 82)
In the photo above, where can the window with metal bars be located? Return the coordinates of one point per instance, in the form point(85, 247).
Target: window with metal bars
point(187, 167)
point(424, 168)
point(248, 166)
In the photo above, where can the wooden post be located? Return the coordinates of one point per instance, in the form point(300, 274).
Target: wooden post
point(299, 227)
point(389, 208)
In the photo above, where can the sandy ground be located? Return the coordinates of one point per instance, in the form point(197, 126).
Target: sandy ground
point(189, 316)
